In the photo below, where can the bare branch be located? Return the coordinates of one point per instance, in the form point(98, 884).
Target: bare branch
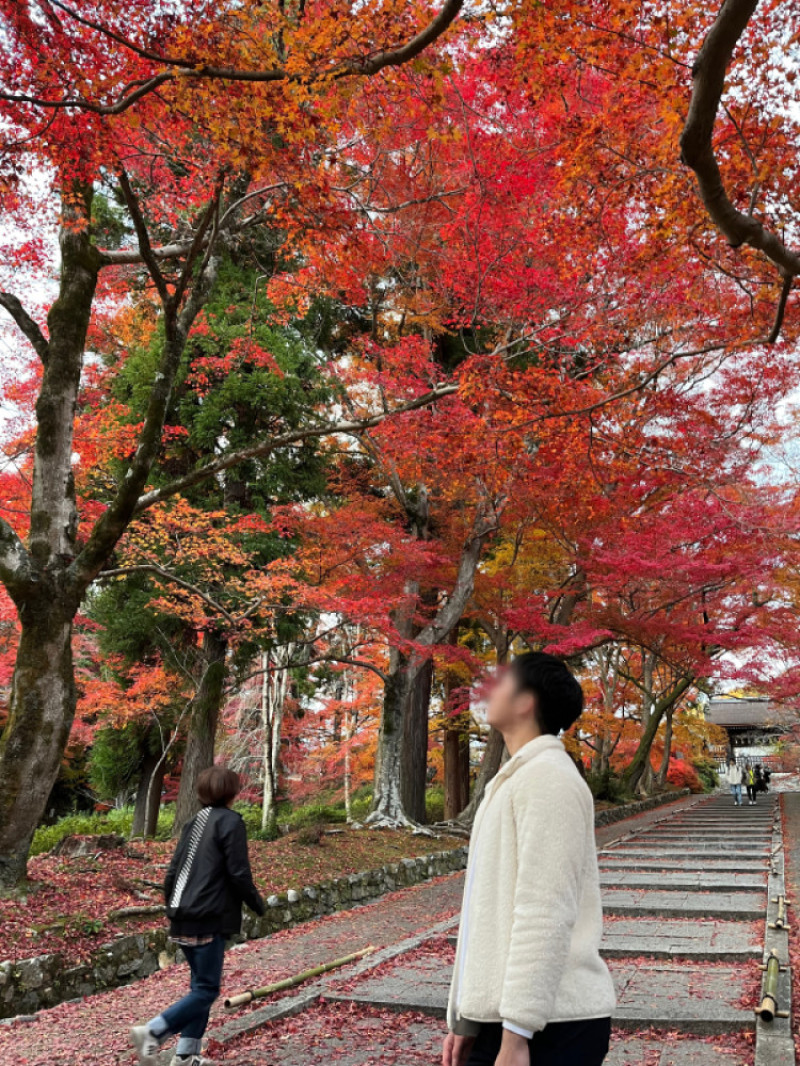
point(263, 448)
point(26, 324)
point(186, 67)
point(167, 575)
point(697, 148)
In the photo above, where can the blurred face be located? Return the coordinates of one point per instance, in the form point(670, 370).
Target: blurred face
point(508, 707)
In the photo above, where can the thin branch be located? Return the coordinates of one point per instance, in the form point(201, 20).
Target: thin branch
point(780, 311)
point(145, 248)
point(26, 324)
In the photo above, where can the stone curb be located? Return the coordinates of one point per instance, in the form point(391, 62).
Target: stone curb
point(630, 810)
point(774, 1040)
point(30, 985)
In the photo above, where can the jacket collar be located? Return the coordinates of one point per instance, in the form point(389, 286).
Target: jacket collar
point(529, 751)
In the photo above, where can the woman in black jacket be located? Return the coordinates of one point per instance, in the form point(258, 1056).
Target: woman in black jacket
point(207, 882)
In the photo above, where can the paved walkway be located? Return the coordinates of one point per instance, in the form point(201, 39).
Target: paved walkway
point(686, 894)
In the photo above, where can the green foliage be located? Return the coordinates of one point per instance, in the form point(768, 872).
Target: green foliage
point(707, 772)
point(608, 787)
point(434, 804)
point(313, 814)
point(114, 761)
point(117, 821)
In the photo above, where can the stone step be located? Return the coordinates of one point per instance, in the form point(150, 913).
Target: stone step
point(683, 996)
point(643, 1051)
point(694, 853)
point(705, 834)
point(684, 938)
point(701, 880)
point(746, 906)
point(697, 846)
point(615, 861)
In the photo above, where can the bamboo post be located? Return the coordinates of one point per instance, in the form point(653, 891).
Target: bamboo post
point(243, 998)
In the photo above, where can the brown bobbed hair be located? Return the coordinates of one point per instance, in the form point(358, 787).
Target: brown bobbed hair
point(218, 786)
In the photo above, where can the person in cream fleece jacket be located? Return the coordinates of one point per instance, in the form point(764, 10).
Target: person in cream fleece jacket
point(529, 986)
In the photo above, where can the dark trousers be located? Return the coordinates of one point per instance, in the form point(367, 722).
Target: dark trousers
point(751, 792)
point(189, 1016)
point(582, 1043)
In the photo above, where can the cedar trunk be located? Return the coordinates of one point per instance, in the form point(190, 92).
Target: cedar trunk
point(490, 764)
point(456, 770)
point(202, 736)
point(414, 752)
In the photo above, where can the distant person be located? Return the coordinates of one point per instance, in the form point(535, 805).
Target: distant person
point(767, 778)
point(529, 985)
point(750, 783)
point(761, 785)
point(206, 884)
point(734, 779)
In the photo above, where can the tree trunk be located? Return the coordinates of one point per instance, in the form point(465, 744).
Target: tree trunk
point(661, 776)
point(40, 716)
point(148, 795)
point(150, 761)
point(456, 770)
point(387, 803)
point(490, 764)
point(274, 686)
point(414, 754)
point(153, 805)
point(38, 580)
point(200, 742)
point(636, 775)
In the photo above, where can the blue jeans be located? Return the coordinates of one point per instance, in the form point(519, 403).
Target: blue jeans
point(736, 791)
point(189, 1016)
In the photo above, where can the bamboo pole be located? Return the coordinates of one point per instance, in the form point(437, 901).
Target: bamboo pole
point(243, 998)
point(769, 1001)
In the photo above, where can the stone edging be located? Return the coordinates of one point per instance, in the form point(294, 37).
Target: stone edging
point(29, 985)
point(628, 810)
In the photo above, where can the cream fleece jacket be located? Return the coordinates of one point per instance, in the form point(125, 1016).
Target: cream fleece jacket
point(531, 921)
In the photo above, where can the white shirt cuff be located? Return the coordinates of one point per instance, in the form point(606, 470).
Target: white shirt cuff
point(518, 1030)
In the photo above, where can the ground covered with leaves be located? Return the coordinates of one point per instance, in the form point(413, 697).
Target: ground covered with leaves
point(94, 1031)
point(73, 905)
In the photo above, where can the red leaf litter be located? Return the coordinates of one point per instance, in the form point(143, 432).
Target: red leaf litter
point(339, 1031)
point(94, 1031)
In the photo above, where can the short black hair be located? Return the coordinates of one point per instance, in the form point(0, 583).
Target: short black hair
point(559, 696)
point(218, 786)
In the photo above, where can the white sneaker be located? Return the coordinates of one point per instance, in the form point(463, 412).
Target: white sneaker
point(190, 1060)
point(146, 1045)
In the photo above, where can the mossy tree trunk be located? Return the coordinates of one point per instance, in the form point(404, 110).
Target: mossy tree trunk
point(48, 576)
